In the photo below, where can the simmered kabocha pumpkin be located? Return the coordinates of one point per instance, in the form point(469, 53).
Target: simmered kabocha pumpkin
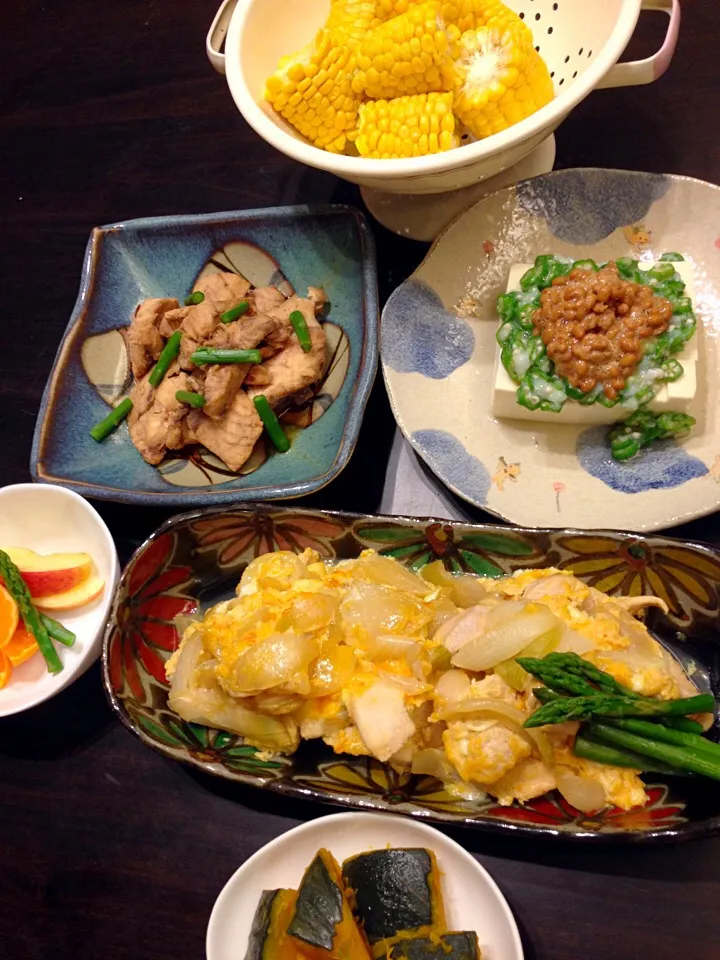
point(395, 894)
point(323, 926)
point(269, 939)
point(450, 946)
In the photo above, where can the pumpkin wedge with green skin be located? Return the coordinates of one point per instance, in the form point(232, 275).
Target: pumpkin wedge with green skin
point(462, 945)
point(323, 926)
point(395, 894)
point(268, 938)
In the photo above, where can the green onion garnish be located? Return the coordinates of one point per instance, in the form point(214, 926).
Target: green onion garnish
point(300, 327)
point(169, 353)
point(271, 424)
point(205, 355)
point(194, 298)
point(192, 399)
point(112, 420)
point(235, 312)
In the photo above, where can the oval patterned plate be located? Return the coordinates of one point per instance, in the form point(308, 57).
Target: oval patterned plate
point(196, 559)
point(438, 352)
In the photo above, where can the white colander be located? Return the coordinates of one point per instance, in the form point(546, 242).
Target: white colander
point(580, 41)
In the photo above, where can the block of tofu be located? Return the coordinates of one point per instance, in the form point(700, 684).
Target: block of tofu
point(678, 396)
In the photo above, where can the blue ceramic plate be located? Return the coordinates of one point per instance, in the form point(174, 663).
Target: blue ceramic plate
point(292, 247)
point(439, 353)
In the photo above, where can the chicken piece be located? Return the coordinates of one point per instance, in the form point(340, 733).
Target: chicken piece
point(292, 369)
point(635, 604)
point(382, 719)
point(233, 437)
point(623, 787)
point(172, 320)
point(222, 382)
point(257, 376)
point(198, 325)
point(243, 334)
point(160, 428)
point(141, 395)
point(223, 287)
point(142, 337)
point(266, 298)
point(493, 687)
point(527, 780)
point(483, 751)
point(318, 298)
point(281, 314)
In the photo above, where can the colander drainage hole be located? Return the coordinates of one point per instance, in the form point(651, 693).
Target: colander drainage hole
point(550, 29)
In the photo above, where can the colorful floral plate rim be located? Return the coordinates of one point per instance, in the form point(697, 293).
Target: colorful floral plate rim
point(195, 559)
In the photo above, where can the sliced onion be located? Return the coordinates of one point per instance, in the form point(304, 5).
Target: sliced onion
point(386, 647)
point(508, 630)
point(474, 706)
point(389, 572)
point(275, 660)
point(410, 685)
point(309, 611)
point(332, 670)
point(581, 792)
point(556, 583)
point(465, 589)
point(370, 608)
point(462, 629)
point(277, 571)
point(417, 663)
point(571, 641)
point(433, 763)
point(544, 747)
point(453, 685)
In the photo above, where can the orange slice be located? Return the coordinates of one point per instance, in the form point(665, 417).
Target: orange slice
point(5, 669)
point(8, 616)
point(21, 647)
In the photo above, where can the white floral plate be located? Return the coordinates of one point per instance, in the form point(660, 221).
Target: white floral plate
point(438, 353)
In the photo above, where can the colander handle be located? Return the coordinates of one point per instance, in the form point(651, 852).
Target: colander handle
point(216, 34)
point(645, 71)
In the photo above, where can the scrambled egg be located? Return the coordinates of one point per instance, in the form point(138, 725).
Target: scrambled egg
point(358, 653)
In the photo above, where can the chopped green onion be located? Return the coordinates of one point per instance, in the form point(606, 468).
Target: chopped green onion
point(112, 420)
point(235, 312)
point(205, 355)
point(191, 398)
point(197, 296)
point(299, 325)
point(271, 424)
point(672, 257)
point(169, 353)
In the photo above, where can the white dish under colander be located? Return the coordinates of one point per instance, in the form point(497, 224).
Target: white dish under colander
point(580, 41)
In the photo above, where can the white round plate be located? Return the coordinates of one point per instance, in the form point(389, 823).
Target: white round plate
point(50, 519)
point(438, 353)
point(472, 900)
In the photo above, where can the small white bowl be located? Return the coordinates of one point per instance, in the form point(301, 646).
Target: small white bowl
point(51, 519)
point(472, 899)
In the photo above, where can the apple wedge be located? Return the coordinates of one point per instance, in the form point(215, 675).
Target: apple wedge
point(78, 596)
point(49, 575)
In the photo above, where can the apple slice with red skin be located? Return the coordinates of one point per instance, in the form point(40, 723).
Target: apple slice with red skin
point(49, 575)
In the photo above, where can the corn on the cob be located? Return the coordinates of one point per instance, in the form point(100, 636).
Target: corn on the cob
point(407, 55)
point(504, 79)
point(313, 91)
point(462, 15)
point(387, 9)
point(407, 126)
point(350, 20)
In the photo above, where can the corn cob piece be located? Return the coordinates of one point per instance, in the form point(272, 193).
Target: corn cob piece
point(387, 9)
point(313, 91)
point(349, 21)
point(462, 15)
point(504, 79)
point(407, 55)
point(407, 126)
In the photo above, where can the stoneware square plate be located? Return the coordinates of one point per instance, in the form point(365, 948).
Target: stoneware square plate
point(291, 247)
point(472, 900)
point(196, 559)
point(438, 353)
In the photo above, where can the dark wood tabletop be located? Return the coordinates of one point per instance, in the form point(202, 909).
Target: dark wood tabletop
point(108, 111)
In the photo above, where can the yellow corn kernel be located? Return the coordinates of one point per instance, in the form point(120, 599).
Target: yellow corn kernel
point(313, 92)
point(463, 15)
point(349, 20)
point(406, 55)
point(409, 126)
point(503, 78)
point(387, 9)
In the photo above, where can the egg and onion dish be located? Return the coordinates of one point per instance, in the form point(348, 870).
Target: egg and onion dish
point(421, 671)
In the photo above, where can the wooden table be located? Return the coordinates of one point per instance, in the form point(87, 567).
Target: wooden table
point(110, 111)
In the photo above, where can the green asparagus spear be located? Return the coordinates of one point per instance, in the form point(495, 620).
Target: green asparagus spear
point(657, 731)
point(590, 749)
point(17, 588)
point(544, 695)
point(57, 631)
point(564, 672)
point(682, 758)
point(602, 705)
point(169, 352)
